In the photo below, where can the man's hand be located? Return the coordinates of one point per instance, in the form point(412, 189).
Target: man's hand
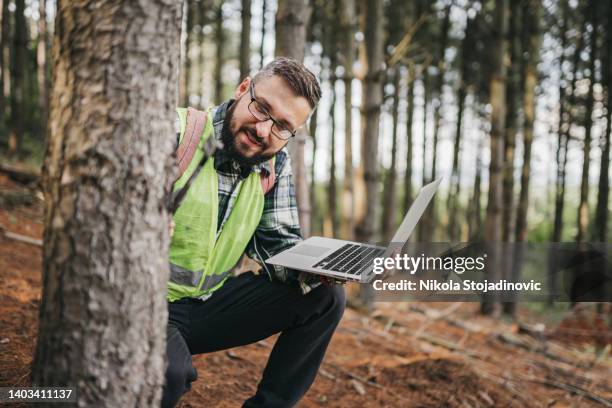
point(326, 280)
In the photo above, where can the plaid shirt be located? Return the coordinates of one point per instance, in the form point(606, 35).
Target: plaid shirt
point(279, 227)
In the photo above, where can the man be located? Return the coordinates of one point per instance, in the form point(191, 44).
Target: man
point(225, 213)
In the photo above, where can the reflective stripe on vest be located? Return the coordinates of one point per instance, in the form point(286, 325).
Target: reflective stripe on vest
point(200, 258)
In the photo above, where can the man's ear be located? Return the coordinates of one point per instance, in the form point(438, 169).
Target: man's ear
point(242, 88)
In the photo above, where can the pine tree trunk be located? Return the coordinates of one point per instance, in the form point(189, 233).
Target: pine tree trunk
point(313, 190)
point(601, 215)
point(390, 187)
point(188, 51)
point(203, 101)
point(370, 116)
point(332, 189)
point(455, 180)
point(41, 58)
point(493, 223)
point(245, 40)
point(106, 178)
point(512, 97)
point(409, 117)
point(347, 54)
point(219, 58)
point(3, 66)
point(424, 222)
point(263, 33)
point(531, 22)
point(291, 21)
point(18, 79)
point(474, 210)
point(583, 207)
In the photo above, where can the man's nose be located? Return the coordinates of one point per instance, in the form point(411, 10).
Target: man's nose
point(264, 129)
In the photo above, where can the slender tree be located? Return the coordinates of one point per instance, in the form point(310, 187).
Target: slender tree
point(455, 184)
point(370, 115)
point(348, 26)
point(186, 74)
point(601, 214)
point(583, 207)
point(529, 75)
point(3, 65)
point(512, 105)
point(493, 224)
point(41, 57)
point(245, 39)
point(18, 80)
point(220, 54)
point(263, 33)
point(390, 188)
point(292, 18)
point(409, 150)
point(106, 179)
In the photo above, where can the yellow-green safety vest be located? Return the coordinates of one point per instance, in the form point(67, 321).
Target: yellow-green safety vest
point(201, 257)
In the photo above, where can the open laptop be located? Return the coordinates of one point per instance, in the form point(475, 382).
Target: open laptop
point(348, 260)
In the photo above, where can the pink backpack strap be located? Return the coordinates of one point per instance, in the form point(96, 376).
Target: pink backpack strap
point(268, 180)
point(196, 123)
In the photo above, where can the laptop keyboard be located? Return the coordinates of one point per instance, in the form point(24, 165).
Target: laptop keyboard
point(351, 259)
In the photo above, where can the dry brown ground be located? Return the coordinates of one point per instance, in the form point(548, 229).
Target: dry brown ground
point(403, 355)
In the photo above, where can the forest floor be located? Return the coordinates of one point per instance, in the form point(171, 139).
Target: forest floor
point(402, 355)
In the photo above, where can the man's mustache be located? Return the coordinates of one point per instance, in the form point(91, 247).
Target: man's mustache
point(253, 134)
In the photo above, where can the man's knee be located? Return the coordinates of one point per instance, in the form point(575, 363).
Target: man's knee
point(335, 300)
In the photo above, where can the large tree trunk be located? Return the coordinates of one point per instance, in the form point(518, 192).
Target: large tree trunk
point(370, 115)
point(106, 177)
point(493, 223)
point(245, 40)
point(583, 207)
point(601, 215)
point(41, 58)
point(18, 61)
point(531, 23)
point(291, 21)
point(347, 30)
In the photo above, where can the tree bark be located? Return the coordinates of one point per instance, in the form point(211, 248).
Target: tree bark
point(583, 207)
point(531, 23)
point(512, 97)
point(493, 223)
point(390, 187)
point(245, 40)
point(332, 188)
point(219, 59)
point(601, 214)
point(106, 180)
point(41, 58)
point(263, 33)
point(3, 63)
point(186, 87)
point(18, 79)
point(370, 116)
point(455, 180)
point(409, 153)
point(347, 30)
point(291, 22)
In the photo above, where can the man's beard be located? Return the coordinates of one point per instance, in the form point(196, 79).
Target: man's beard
point(229, 141)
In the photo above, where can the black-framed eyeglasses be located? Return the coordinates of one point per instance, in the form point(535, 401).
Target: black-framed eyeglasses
point(260, 113)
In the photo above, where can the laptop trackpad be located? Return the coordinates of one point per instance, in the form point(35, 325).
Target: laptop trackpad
point(309, 250)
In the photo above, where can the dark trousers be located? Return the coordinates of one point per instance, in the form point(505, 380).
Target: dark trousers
point(249, 308)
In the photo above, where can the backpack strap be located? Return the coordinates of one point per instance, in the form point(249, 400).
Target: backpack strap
point(196, 123)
